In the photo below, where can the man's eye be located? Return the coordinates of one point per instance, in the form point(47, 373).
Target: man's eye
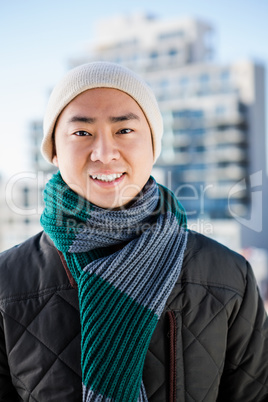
point(125, 131)
point(81, 133)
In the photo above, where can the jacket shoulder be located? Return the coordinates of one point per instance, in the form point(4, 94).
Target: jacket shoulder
point(209, 262)
point(30, 267)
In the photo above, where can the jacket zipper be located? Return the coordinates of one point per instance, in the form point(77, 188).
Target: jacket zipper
point(172, 356)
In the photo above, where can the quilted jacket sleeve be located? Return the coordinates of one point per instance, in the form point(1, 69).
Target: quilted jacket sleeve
point(7, 391)
point(246, 367)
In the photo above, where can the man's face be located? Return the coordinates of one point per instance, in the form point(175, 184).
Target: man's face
point(104, 147)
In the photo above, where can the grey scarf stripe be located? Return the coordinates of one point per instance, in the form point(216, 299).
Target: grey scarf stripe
point(105, 228)
point(139, 278)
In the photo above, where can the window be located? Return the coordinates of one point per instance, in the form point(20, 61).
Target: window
point(154, 55)
point(198, 131)
point(118, 60)
point(37, 126)
point(171, 35)
point(204, 79)
point(220, 110)
point(200, 148)
point(188, 114)
point(164, 84)
point(184, 81)
point(26, 196)
point(226, 82)
point(225, 76)
point(173, 52)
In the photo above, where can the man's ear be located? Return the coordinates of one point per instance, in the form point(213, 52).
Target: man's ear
point(54, 152)
point(55, 160)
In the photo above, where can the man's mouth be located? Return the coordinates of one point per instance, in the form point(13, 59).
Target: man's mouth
point(106, 177)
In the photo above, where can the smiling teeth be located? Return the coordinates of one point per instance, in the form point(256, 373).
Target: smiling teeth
point(108, 177)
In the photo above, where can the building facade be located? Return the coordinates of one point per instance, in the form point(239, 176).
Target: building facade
point(214, 116)
point(21, 202)
point(21, 206)
point(213, 155)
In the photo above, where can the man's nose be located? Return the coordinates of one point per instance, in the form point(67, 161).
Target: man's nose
point(104, 149)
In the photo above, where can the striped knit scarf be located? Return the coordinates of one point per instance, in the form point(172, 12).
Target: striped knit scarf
point(122, 292)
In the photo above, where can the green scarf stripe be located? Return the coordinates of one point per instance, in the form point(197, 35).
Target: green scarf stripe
point(115, 307)
point(76, 262)
point(91, 323)
point(121, 294)
point(128, 373)
point(101, 347)
point(133, 363)
point(64, 204)
point(121, 323)
point(170, 203)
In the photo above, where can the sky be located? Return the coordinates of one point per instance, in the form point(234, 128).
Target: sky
point(37, 38)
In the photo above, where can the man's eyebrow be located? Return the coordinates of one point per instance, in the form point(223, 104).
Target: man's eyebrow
point(112, 119)
point(82, 119)
point(128, 116)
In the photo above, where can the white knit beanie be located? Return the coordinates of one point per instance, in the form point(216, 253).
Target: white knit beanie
point(101, 75)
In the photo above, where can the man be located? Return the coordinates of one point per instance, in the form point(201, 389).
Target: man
point(116, 300)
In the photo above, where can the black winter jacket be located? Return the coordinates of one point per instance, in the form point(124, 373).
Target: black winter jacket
point(211, 343)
